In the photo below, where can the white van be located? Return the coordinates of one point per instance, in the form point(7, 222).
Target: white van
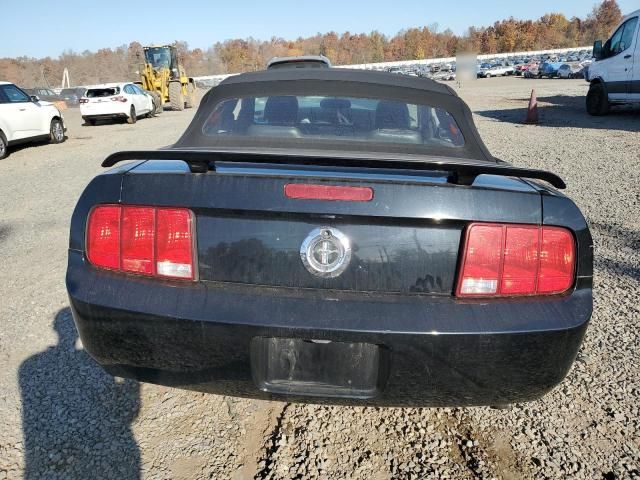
point(614, 76)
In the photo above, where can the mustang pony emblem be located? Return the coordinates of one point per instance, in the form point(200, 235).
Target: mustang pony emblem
point(326, 252)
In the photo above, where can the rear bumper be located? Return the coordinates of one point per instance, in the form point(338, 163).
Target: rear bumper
point(106, 110)
point(433, 351)
point(105, 116)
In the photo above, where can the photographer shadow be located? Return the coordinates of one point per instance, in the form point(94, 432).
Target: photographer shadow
point(76, 418)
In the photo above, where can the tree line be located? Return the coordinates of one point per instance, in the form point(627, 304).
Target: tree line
point(552, 30)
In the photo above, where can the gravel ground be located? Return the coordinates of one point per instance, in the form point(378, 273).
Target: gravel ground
point(62, 417)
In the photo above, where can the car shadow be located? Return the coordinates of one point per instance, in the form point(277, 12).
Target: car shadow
point(13, 149)
point(624, 236)
point(5, 231)
point(568, 111)
point(621, 237)
point(76, 419)
point(105, 122)
point(616, 267)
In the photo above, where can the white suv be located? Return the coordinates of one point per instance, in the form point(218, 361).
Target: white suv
point(25, 119)
point(614, 76)
point(116, 101)
point(496, 71)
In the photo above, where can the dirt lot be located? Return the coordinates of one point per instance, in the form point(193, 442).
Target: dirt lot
point(61, 417)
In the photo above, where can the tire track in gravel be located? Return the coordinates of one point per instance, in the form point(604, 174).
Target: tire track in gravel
point(270, 442)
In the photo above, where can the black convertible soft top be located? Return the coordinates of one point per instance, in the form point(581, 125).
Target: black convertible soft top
point(370, 77)
point(337, 82)
point(201, 151)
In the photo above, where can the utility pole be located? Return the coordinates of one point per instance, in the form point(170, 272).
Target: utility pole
point(45, 83)
point(65, 77)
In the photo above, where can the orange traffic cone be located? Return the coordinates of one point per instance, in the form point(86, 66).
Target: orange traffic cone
point(532, 110)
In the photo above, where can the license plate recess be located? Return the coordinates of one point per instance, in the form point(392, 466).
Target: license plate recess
point(297, 366)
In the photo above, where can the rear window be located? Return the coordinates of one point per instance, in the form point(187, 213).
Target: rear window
point(338, 119)
point(102, 92)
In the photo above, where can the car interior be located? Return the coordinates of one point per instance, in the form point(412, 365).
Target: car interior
point(102, 92)
point(360, 119)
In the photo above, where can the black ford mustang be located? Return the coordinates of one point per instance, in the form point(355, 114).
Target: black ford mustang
point(327, 235)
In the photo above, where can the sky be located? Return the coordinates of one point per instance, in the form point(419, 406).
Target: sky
point(41, 28)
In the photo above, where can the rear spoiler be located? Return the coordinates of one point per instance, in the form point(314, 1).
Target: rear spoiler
point(462, 172)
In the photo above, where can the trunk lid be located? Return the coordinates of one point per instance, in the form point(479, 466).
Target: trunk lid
point(405, 240)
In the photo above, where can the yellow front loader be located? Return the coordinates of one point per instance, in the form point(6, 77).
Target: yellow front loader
point(164, 76)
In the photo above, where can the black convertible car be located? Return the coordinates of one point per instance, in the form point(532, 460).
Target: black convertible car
point(329, 235)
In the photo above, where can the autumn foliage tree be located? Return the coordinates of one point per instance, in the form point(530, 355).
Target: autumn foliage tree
point(552, 30)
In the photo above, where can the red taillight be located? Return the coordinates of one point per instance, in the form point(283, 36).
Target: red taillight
point(103, 236)
point(304, 191)
point(84, 100)
point(174, 256)
point(119, 98)
point(138, 239)
point(520, 267)
point(512, 260)
point(557, 259)
point(143, 240)
point(481, 266)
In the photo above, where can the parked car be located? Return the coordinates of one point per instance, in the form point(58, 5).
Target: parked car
point(614, 76)
point(331, 235)
point(27, 119)
point(548, 69)
point(45, 94)
point(582, 73)
point(496, 71)
point(116, 101)
point(529, 67)
point(72, 96)
point(565, 71)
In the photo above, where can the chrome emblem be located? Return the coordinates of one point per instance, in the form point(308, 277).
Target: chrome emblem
point(326, 252)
